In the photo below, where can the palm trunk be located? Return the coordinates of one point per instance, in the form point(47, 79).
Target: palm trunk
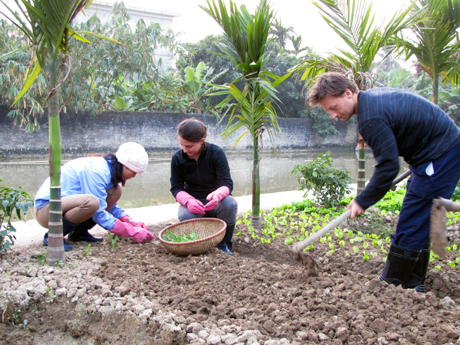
point(255, 220)
point(55, 243)
point(361, 166)
point(435, 93)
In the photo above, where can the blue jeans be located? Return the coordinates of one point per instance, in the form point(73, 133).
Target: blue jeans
point(225, 210)
point(413, 229)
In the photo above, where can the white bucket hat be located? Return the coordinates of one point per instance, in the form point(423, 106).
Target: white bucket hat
point(133, 156)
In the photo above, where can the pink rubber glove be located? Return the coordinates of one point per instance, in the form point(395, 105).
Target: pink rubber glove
point(128, 219)
point(193, 205)
point(127, 230)
point(215, 197)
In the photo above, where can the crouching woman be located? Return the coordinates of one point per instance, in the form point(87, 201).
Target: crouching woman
point(201, 181)
point(90, 190)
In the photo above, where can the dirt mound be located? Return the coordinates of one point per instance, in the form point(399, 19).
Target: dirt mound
point(141, 294)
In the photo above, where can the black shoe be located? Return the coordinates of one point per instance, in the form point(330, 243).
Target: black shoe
point(83, 236)
point(67, 247)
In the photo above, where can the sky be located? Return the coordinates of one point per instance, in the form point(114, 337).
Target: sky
point(302, 15)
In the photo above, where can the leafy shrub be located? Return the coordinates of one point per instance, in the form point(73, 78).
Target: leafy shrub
point(329, 185)
point(12, 202)
point(392, 201)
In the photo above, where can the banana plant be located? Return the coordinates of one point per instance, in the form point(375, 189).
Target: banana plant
point(198, 84)
point(247, 37)
point(47, 25)
point(353, 21)
point(436, 44)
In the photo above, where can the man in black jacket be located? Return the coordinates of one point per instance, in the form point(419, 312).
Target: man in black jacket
point(399, 123)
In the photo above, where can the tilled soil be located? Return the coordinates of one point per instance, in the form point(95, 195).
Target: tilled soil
point(141, 294)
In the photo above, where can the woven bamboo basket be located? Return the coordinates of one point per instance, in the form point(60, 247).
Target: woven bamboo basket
point(210, 231)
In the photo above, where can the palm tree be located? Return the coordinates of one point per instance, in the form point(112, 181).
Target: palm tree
point(353, 21)
point(247, 37)
point(47, 25)
point(436, 44)
point(281, 32)
point(297, 44)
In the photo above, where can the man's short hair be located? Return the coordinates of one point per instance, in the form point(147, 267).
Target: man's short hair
point(329, 84)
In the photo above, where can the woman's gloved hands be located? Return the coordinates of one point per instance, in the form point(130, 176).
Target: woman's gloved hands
point(193, 205)
point(129, 220)
point(125, 229)
point(215, 197)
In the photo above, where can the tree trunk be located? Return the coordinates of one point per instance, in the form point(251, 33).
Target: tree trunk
point(55, 243)
point(361, 166)
point(255, 220)
point(435, 94)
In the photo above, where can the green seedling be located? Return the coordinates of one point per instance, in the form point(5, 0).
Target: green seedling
point(375, 243)
point(87, 249)
point(355, 249)
point(347, 254)
point(454, 247)
point(323, 239)
point(448, 249)
point(433, 255)
point(113, 241)
point(373, 254)
point(451, 264)
point(40, 257)
point(311, 246)
point(437, 267)
point(342, 243)
point(365, 256)
point(59, 263)
point(331, 246)
point(238, 234)
point(365, 245)
point(288, 240)
point(457, 260)
point(350, 233)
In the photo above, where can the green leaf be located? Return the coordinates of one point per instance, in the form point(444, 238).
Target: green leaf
point(28, 82)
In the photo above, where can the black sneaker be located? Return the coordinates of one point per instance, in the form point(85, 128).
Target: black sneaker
point(224, 248)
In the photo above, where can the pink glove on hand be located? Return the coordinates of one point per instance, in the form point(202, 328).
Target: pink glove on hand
point(215, 197)
point(127, 230)
point(128, 219)
point(193, 205)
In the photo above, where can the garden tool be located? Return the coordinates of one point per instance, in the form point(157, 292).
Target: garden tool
point(438, 222)
point(297, 248)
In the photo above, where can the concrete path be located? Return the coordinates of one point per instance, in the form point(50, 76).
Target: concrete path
point(30, 234)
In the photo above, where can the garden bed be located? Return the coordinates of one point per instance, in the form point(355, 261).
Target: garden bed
point(141, 294)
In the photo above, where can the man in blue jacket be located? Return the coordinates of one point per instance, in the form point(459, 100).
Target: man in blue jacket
point(399, 123)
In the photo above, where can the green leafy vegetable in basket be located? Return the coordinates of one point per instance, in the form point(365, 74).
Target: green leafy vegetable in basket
point(172, 237)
